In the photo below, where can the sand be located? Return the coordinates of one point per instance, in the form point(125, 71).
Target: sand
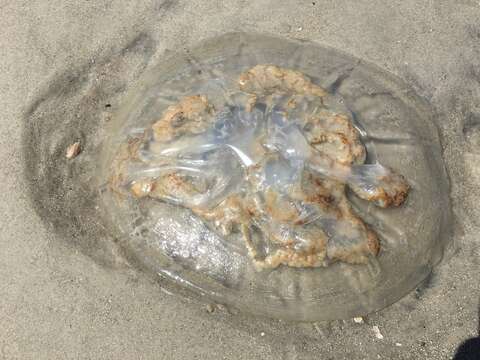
point(63, 298)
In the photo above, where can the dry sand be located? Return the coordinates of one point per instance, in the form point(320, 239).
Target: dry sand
point(63, 300)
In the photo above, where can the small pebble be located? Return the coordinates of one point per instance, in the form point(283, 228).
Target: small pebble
point(222, 307)
point(73, 150)
point(358, 320)
point(210, 308)
point(377, 332)
point(262, 334)
point(398, 344)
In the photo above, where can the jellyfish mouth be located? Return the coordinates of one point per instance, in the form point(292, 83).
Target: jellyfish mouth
point(273, 164)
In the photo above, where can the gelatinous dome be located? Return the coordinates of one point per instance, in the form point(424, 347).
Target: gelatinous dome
point(272, 175)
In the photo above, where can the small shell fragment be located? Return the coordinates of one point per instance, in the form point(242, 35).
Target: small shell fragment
point(358, 320)
point(73, 150)
point(377, 332)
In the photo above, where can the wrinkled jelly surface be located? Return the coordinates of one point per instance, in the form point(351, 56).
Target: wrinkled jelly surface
point(233, 238)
